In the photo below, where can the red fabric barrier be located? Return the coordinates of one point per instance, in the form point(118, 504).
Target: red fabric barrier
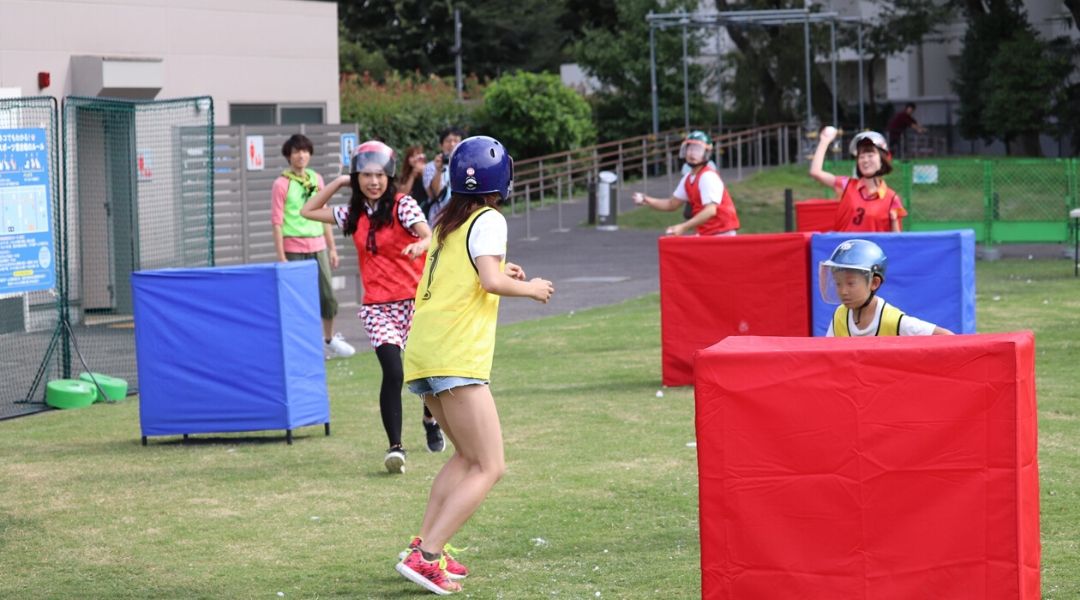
point(867, 468)
point(713, 287)
point(815, 215)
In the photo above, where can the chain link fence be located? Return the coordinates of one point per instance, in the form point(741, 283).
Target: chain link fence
point(137, 194)
point(1003, 200)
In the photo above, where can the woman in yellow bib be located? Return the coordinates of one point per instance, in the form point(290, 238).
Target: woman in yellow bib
point(851, 278)
point(448, 359)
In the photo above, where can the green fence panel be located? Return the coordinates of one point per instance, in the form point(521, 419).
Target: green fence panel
point(1002, 200)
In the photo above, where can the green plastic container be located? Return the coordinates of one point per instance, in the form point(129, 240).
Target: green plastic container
point(115, 388)
point(69, 393)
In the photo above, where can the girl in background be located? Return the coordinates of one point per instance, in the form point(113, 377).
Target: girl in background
point(391, 235)
point(866, 203)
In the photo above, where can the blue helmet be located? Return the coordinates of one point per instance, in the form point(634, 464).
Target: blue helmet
point(861, 256)
point(480, 165)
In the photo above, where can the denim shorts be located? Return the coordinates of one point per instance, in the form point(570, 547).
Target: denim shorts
point(438, 385)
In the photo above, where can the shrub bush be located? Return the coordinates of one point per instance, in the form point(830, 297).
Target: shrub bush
point(404, 110)
point(535, 114)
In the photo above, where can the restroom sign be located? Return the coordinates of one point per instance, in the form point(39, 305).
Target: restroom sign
point(256, 159)
point(348, 143)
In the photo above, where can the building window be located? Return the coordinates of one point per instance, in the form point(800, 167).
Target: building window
point(252, 114)
point(276, 114)
point(295, 115)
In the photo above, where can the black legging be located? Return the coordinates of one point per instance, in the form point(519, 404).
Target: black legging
point(389, 356)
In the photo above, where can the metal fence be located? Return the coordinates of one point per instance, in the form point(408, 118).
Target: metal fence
point(553, 177)
point(1002, 200)
point(137, 193)
point(242, 231)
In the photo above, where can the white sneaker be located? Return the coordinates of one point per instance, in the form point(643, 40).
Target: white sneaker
point(395, 460)
point(338, 347)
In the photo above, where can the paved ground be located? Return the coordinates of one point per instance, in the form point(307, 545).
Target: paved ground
point(593, 268)
point(588, 267)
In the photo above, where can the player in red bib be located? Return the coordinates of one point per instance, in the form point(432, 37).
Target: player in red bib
point(391, 237)
point(712, 211)
point(866, 202)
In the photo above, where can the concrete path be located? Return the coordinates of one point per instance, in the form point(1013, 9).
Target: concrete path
point(588, 267)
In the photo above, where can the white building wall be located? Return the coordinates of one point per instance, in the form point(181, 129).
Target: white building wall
point(238, 51)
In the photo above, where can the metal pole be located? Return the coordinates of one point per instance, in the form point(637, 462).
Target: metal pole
point(685, 81)
point(862, 101)
point(457, 52)
point(806, 54)
point(652, 70)
point(832, 53)
point(644, 163)
point(528, 223)
point(719, 86)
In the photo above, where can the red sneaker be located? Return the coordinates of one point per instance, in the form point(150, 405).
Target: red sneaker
point(454, 569)
point(431, 575)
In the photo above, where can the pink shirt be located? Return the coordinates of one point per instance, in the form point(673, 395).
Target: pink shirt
point(277, 217)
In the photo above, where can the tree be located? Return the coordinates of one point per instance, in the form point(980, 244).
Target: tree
point(497, 35)
point(899, 25)
point(616, 52)
point(1009, 81)
point(536, 114)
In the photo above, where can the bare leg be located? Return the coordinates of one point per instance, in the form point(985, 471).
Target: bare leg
point(449, 476)
point(469, 418)
point(327, 329)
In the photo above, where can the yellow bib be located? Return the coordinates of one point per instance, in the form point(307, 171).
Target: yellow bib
point(453, 330)
point(888, 325)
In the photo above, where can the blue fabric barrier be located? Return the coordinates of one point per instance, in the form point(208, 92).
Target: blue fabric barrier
point(229, 349)
point(929, 275)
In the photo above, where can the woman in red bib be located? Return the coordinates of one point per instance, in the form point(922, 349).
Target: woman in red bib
point(866, 203)
point(391, 236)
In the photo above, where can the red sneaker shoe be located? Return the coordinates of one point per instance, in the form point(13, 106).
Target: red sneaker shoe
point(431, 575)
point(454, 569)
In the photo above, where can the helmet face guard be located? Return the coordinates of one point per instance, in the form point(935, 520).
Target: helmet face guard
point(694, 152)
point(696, 148)
point(480, 165)
point(374, 157)
point(832, 278)
point(859, 258)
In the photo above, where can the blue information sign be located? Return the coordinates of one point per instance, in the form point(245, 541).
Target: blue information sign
point(26, 241)
point(348, 142)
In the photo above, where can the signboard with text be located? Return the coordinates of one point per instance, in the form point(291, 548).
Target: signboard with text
point(26, 240)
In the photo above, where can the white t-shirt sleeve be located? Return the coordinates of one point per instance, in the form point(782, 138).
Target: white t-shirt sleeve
point(428, 174)
point(488, 235)
point(910, 325)
point(680, 190)
point(711, 187)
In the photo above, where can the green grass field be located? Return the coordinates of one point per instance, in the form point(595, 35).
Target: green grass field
point(600, 498)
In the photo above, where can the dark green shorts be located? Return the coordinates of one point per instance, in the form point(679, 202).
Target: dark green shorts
point(327, 303)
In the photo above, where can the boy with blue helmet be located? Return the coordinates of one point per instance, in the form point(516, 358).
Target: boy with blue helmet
point(851, 278)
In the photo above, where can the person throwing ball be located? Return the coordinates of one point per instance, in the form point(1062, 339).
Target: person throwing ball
point(712, 211)
point(866, 203)
point(851, 278)
point(448, 360)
